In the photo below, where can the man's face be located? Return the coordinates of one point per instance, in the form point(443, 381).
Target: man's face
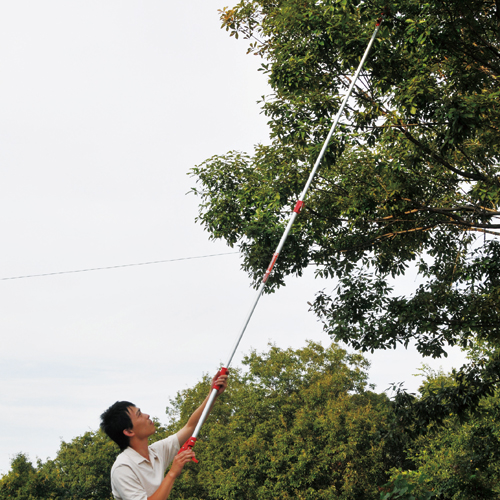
point(142, 425)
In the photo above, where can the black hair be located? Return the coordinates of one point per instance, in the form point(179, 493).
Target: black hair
point(115, 420)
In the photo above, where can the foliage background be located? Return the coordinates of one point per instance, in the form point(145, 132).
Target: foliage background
point(295, 424)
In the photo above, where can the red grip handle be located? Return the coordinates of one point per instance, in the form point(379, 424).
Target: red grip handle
point(188, 445)
point(222, 371)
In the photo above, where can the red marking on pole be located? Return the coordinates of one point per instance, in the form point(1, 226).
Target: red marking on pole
point(188, 445)
point(298, 207)
point(270, 268)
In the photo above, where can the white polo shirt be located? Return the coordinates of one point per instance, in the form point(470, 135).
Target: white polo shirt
point(135, 478)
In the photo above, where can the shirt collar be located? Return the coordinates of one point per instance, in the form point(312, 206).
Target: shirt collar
point(137, 457)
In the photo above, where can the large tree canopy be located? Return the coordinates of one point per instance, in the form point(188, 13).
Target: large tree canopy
point(410, 181)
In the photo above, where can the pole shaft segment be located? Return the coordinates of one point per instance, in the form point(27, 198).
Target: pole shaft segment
point(291, 220)
point(306, 188)
point(340, 111)
point(263, 285)
point(203, 417)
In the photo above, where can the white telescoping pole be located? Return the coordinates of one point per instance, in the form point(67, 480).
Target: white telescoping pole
point(302, 197)
point(293, 216)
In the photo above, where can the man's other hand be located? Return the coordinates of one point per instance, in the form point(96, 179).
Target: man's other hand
point(179, 462)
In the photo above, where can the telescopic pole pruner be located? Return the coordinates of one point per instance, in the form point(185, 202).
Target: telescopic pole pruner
point(300, 203)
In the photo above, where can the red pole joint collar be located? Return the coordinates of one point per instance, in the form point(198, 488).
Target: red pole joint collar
point(298, 207)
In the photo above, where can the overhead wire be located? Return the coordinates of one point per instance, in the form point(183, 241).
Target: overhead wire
point(115, 267)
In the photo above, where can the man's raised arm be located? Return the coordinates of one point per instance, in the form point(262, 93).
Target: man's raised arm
point(183, 435)
point(187, 431)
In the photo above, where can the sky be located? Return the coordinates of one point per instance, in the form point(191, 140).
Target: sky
point(105, 106)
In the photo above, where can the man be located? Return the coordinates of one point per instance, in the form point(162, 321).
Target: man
point(139, 470)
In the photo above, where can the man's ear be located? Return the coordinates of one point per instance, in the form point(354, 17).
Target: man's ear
point(128, 432)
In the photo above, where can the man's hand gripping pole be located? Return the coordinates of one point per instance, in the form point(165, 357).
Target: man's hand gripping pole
point(188, 445)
